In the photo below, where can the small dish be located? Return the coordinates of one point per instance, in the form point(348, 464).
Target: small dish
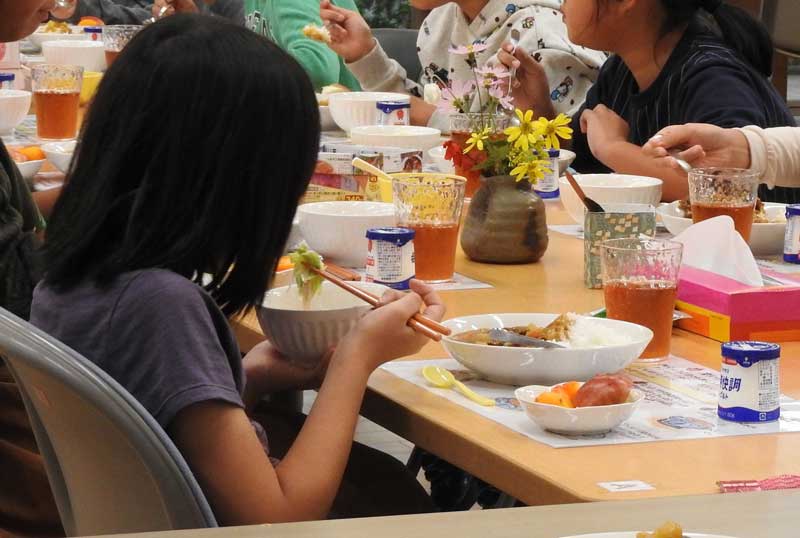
point(578, 420)
point(60, 153)
point(29, 169)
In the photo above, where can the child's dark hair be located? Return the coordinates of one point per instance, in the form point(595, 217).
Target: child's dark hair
point(199, 143)
point(740, 31)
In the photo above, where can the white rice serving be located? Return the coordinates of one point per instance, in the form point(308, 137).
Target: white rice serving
point(589, 332)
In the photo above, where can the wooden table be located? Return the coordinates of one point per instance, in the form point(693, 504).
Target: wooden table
point(743, 515)
point(538, 474)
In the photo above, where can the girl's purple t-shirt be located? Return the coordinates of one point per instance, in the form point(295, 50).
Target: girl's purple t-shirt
point(158, 334)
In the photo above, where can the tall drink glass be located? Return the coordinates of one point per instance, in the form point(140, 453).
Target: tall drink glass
point(724, 191)
point(56, 94)
point(115, 37)
point(640, 282)
point(431, 205)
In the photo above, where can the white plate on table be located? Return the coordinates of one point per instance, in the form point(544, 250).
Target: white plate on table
point(60, 153)
point(29, 169)
point(766, 239)
point(533, 366)
point(632, 534)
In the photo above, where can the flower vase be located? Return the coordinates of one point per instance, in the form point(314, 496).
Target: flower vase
point(506, 223)
point(461, 128)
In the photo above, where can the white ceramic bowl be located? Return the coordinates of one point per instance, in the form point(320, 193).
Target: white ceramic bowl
point(38, 37)
point(338, 230)
point(326, 122)
point(565, 159)
point(633, 534)
point(88, 54)
point(578, 420)
point(59, 153)
point(609, 189)
point(354, 109)
point(766, 239)
point(14, 106)
point(396, 136)
point(305, 335)
point(444, 166)
point(29, 169)
point(529, 366)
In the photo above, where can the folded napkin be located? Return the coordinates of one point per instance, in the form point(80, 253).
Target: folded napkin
point(714, 245)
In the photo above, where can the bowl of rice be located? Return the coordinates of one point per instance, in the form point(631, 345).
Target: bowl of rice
point(592, 346)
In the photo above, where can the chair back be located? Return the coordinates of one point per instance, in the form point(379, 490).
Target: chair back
point(401, 44)
point(111, 467)
point(782, 18)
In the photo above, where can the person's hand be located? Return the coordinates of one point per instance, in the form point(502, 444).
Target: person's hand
point(603, 128)
point(530, 88)
point(699, 144)
point(175, 6)
point(383, 334)
point(351, 36)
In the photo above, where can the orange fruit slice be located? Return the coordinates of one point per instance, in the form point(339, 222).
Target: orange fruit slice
point(90, 21)
point(33, 153)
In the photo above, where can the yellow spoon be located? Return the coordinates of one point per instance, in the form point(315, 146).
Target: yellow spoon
point(443, 379)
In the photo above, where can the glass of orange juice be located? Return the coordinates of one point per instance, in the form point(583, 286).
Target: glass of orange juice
point(56, 94)
point(724, 191)
point(115, 37)
point(431, 205)
point(640, 284)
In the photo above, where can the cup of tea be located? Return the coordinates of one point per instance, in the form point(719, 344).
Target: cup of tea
point(431, 205)
point(115, 37)
point(640, 284)
point(56, 95)
point(724, 191)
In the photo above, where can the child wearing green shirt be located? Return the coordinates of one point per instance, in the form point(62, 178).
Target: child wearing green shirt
point(282, 21)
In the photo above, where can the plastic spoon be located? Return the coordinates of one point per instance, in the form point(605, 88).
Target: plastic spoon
point(443, 379)
point(510, 337)
point(514, 40)
point(683, 164)
point(374, 170)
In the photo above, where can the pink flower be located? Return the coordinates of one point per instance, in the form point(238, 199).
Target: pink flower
point(468, 50)
point(503, 97)
point(494, 72)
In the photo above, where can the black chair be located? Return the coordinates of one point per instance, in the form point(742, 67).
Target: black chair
point(401, 45)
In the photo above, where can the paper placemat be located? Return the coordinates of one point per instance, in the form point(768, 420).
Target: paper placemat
point(24, 134)
point(459, 282)
point(680, 403)
point(576, 231)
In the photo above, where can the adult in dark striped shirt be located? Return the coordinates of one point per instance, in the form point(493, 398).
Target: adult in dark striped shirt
point(675, 62)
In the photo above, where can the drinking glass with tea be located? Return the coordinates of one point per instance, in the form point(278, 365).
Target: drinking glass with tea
point(640, 283)
point(724, 191)
point(115, 37)
point(461, 128)
point(431, 205)
point(56, 95)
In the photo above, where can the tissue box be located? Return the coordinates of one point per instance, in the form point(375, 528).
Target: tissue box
point(620, 221)
point(724, 309)
point(335, 178)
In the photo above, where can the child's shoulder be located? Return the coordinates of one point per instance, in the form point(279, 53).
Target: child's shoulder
point(161, 288)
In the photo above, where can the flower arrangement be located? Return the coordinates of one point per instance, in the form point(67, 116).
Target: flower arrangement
point(494, 146)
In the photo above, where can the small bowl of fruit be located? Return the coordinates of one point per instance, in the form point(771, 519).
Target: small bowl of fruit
point(574, 408)
point(28, 159)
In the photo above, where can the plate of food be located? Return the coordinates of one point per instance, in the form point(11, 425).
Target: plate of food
point(580, 346)
point(669, 529)
point(574, 408)
point(769, 224)
point(55, 31)
point(28, 159)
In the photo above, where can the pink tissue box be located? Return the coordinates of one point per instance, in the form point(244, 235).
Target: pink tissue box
point(725, 310)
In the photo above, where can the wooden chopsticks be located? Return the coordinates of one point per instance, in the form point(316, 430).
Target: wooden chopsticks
point(418, 322)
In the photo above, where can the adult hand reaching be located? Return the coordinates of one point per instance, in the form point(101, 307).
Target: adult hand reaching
point(700, 145)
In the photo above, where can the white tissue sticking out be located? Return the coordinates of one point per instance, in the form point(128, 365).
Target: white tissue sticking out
point(714, 245)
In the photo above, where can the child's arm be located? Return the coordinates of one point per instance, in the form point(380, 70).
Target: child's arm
point(607, 134)
point(320, 62)
point(224, 453)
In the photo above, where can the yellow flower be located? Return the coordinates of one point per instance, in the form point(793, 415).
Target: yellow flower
point(476, 140)
point(532, 170)
point(554, 129)
point(526, 134)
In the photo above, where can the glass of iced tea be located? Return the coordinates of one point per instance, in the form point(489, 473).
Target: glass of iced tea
point(724, 191)
point(56, 94)
point(640, 283)
point(115, 37)
point(431, 205)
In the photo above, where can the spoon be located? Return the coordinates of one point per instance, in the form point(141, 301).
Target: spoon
point(64, 9)
point(374, 170)
point(514, 40)
point(160, 14)
point(683, 164)
point(443, 379)
point(590, 204)
point(510, 337)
